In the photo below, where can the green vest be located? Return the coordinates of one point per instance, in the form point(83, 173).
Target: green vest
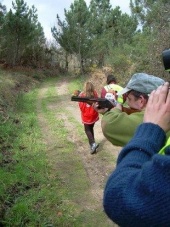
point(162, 151)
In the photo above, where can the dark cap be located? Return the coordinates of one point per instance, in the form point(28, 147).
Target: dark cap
point(111, 78)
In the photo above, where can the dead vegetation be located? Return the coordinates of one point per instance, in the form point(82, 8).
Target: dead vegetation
point(98, 77)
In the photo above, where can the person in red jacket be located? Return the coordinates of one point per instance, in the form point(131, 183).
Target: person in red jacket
point(88, 115)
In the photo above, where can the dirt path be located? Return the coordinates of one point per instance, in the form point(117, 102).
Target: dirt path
point(97, 166)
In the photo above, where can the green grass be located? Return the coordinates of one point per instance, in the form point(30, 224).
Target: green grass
point(23, 163)
point(31, 193)
point(76, 84)
point(40, 185)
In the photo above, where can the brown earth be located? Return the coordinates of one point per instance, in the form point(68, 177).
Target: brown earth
point(97, 166)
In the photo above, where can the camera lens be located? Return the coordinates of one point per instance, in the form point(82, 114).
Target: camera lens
point(166, 59)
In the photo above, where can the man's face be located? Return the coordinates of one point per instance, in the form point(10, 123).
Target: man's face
point(134, 102)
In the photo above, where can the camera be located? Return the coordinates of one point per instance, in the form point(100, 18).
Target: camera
point(166, 59)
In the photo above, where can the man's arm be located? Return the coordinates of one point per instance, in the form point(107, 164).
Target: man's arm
point(118, 127)
point(136, 193)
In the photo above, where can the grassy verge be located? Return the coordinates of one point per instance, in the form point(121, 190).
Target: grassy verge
point(31, 192)
point(42, 185)
point(23, 165)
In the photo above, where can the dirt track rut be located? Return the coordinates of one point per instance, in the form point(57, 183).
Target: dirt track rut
point(96, 166)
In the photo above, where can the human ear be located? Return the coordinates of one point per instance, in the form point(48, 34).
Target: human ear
point(142, 101)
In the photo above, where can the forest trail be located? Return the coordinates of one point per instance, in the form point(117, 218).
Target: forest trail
point(97, 167)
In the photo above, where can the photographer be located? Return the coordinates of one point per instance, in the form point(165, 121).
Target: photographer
point(138, 191)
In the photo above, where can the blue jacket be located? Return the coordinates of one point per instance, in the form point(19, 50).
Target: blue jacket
point(137, 193)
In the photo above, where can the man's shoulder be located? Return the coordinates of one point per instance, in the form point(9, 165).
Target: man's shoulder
point(124, 115)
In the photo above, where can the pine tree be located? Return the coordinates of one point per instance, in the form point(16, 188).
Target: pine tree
point(73, 33)
point(22, 32)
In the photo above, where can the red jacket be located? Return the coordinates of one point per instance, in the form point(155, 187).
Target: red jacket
point(88, 114)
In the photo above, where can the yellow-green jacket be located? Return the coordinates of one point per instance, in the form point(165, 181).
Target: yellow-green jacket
point(114, 87)
point(119, 127)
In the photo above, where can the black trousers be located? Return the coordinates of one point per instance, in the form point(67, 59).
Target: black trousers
point(89, 130)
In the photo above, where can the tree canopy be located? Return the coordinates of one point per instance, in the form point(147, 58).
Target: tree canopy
point(95, 35)
point(90, 32)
